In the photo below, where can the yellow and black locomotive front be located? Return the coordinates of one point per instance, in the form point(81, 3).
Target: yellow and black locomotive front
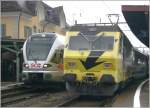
point(92, 62)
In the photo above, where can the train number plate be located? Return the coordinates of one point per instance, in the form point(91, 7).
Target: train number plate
point(36, 66)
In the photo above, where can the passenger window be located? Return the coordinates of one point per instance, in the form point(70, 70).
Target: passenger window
point(58, 56)
point(120, 45)
point(55, 57)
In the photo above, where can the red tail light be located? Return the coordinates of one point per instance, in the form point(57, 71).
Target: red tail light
point(61, 66)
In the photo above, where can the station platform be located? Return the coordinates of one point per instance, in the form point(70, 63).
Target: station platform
point(144, 95)
point(136, 95)
point(7, 85)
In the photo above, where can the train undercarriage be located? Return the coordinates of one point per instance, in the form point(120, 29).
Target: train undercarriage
point(94, 89)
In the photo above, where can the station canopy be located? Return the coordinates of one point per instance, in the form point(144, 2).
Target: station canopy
point(137, 17)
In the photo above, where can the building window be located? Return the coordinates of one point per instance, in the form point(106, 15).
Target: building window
point(34, 29)
point(3, 30)
point(27, 31)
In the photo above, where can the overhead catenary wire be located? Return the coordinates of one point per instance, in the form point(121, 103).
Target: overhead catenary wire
point(124, 27)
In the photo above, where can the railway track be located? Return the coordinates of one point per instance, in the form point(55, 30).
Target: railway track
point(68, 101)
point(86, 101)
point(53, 99)
point(13, 91)
point(18, 94)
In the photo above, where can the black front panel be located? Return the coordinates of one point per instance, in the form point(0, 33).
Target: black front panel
point(36, 76)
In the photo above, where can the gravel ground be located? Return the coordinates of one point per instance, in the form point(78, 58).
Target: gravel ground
point(85, 102)
point(47, 100)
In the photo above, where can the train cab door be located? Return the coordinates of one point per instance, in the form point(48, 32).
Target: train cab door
point(121, 69)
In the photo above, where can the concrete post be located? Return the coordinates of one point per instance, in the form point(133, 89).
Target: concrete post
point(17, 67)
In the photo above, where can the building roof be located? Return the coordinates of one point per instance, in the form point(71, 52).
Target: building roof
point(51, 14)
point(13, 6)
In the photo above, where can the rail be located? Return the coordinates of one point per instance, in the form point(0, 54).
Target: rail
point(68, 101)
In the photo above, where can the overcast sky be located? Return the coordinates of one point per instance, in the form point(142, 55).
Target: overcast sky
point(91, 11)
point(94, 11)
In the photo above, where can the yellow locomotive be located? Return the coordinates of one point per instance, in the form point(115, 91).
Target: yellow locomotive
point(99, 58)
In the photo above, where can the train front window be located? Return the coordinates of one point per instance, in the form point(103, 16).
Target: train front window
point(91, 43)
point(79, 43)
point(103, 43)
point(37, 48)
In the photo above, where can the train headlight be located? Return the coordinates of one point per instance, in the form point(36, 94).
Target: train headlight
point(107, 65)
point(45, 66)
point(71, 64)
point(26, 65)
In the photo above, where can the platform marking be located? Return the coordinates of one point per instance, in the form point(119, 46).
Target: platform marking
point(137, 95)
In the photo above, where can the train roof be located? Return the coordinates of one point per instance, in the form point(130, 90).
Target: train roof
point(47, 33)
point(61, 38)
point(94, 28)
point(43, 33)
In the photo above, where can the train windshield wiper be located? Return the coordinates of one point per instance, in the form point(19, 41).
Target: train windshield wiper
point(84, 36)
point(98, 37)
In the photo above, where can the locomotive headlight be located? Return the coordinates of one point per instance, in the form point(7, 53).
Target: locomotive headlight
point(71, 64)
point(107, 65)
point(26, 65)
point(45, 65)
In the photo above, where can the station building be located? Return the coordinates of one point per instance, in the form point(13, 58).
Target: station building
point(21, 19)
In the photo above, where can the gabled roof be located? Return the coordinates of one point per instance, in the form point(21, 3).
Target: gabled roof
point(13, 6)
point(51, 14)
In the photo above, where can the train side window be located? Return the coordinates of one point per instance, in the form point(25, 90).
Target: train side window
point(120, 45)
point(54, 57)
point(61, 52)
point(127, 47)
point(57, 57)
point(127, 52)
